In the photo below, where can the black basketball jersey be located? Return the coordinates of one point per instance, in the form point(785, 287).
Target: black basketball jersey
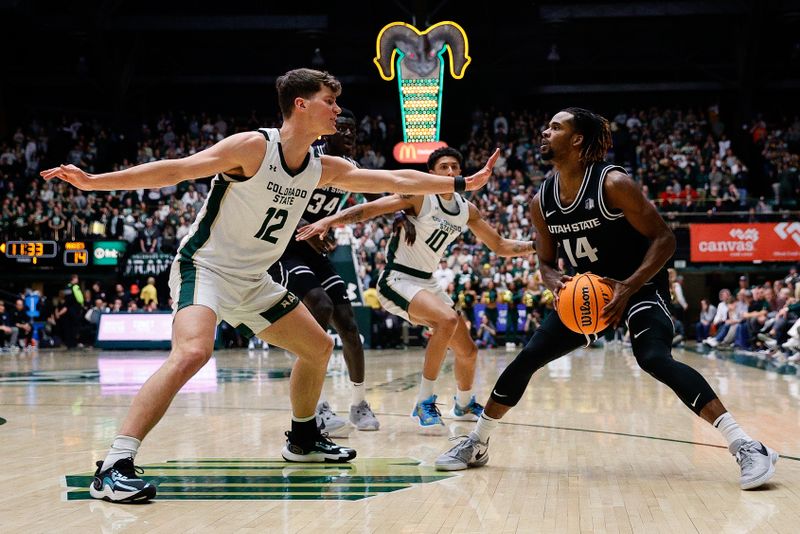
point(325, 201)
point(592, 237)
point(322, 202)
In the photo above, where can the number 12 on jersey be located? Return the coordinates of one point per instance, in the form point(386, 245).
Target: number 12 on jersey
point(582, 250)
point(265, 232)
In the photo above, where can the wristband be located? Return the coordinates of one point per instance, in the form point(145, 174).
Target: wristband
point(459, 184)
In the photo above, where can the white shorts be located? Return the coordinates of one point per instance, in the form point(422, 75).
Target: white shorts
point(248, 304)
point(396, 290)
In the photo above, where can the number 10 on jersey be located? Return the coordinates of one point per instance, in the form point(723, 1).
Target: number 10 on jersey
point(582, 250)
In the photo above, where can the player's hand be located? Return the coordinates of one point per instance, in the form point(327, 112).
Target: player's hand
point(319, 229)
point(613, 311)
point(479, 179)
point(70, 174)
point(554, 280)
point(324, 245)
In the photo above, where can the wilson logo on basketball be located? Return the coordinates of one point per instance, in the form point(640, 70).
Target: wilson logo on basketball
point(581, 302)
point(586, 308)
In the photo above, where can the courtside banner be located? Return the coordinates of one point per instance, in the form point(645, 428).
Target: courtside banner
point(745, 242)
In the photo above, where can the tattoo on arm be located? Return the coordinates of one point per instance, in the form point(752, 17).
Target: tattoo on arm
point(520, 247)
point(353, 217)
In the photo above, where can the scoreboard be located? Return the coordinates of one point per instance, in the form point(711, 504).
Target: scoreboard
point(55, 255)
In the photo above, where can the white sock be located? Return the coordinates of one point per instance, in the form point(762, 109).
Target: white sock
point(730, 429)
point(303, 419)
point(484, 428)
point(123, 447)
point(425, 389)
point(463, 397)
point(357, 394)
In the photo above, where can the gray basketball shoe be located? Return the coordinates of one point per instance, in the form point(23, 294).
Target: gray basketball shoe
point(756, 460)
point(362, 417)
point(469, 452)
point(331, 424)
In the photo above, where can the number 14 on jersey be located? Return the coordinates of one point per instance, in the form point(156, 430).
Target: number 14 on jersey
point(582, 250)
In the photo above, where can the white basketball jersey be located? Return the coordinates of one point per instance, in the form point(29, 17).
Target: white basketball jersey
point(246, 223)
point(436, 228)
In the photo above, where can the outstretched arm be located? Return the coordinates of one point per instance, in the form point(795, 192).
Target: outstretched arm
point(358, 213)
point(343, 174)
point(496, 243)
point(239, 154)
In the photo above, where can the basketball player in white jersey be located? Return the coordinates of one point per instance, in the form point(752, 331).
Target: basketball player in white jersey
point(262, 183)
point(407, 288)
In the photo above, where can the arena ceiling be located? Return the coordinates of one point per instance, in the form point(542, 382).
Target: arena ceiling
point(119, 49)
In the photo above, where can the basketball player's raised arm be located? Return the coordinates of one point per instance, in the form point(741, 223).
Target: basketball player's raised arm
point(239, 154)
point(546, 250)
point(358, 213)
point(622, 193)
point(345, 175)
point(496, 243)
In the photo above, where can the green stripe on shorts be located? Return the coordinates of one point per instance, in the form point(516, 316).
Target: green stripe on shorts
point(391, 294)
point(287, 303)
point(188, 283)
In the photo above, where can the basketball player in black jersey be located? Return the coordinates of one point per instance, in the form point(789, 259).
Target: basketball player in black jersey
point(592, 214)
point(305, 270)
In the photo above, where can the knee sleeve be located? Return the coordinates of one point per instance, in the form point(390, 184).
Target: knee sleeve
point(690, 386)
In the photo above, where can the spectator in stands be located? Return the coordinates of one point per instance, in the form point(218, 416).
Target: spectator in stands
point(149, 237)
point(92, 318)
point(8, 330)
point(726, 330)
point(444, 275)
point(485, 336)
point(121, 294)
point(149, 292)
point(677, 299)
point(21, 320)
point(708, 314)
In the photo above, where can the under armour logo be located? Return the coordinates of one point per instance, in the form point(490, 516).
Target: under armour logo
point(273, 168)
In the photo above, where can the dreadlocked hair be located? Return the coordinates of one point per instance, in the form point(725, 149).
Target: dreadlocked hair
point(596, 134)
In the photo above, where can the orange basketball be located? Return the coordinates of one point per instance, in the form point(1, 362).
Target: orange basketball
point(580, 302)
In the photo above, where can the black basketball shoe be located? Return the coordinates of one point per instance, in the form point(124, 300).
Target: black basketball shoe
point(320, 450)
point(120, 483)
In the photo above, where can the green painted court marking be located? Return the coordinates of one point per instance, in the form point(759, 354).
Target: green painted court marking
point(92, 376)
point(273, 479)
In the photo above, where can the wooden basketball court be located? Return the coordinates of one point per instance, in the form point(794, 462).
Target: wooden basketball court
point(596, 445)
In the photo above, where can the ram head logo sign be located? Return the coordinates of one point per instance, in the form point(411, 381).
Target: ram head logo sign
point(416, 59)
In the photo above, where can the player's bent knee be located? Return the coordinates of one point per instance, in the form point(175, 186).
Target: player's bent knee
point(318, 352)
point(320, 305)
point(447, 322)
point(653, 363)
point(189, 360)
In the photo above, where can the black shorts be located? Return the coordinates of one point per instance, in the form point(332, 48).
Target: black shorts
point(300, 273)
point(647, 318)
